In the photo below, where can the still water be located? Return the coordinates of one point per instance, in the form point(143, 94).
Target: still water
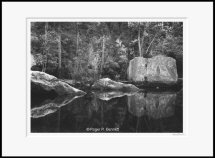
point(148, 112)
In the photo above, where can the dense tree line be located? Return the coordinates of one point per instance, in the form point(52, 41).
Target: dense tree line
point(87, 51)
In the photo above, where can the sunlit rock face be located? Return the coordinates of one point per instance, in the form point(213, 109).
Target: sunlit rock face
point(50, 106)
point(152, 105)
point(108, 84)
point(156, 69)
point(137, 70)
point(41, 81)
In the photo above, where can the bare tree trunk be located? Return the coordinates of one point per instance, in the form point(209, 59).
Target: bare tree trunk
point(162, 26)
point(139, 40)
point(142, 43)
point(77, 39)
point(77, 64)
point(103, 52)
point(59, 51)
point(150, 44)
point(46, 48)
point(163, 40)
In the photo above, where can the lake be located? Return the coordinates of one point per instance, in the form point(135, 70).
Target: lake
point(143, 112)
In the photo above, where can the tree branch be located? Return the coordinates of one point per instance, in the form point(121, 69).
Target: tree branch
point(150, 44)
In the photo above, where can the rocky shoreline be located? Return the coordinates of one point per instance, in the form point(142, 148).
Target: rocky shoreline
point(45, 84)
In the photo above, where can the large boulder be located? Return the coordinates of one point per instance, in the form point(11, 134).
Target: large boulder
point(156, 69)
point(41, 81)
point(108, 84)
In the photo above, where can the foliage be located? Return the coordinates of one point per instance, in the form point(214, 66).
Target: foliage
point(80, 54)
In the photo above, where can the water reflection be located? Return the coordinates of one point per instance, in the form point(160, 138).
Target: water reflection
point(50, 106)
point(112, 94)
point(154, 105)
point(127, 112)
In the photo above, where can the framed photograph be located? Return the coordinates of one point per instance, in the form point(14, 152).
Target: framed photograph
point(115, 76)
point(122, 76)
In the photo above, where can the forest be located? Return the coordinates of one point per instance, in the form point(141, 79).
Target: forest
point(88, 51)
point(91, 76)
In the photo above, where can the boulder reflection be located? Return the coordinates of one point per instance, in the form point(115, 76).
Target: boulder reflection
point(50, 106)
point(106, 96)
point(154, 105)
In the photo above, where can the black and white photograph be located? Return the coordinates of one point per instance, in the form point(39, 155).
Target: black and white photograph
point(106, 77)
